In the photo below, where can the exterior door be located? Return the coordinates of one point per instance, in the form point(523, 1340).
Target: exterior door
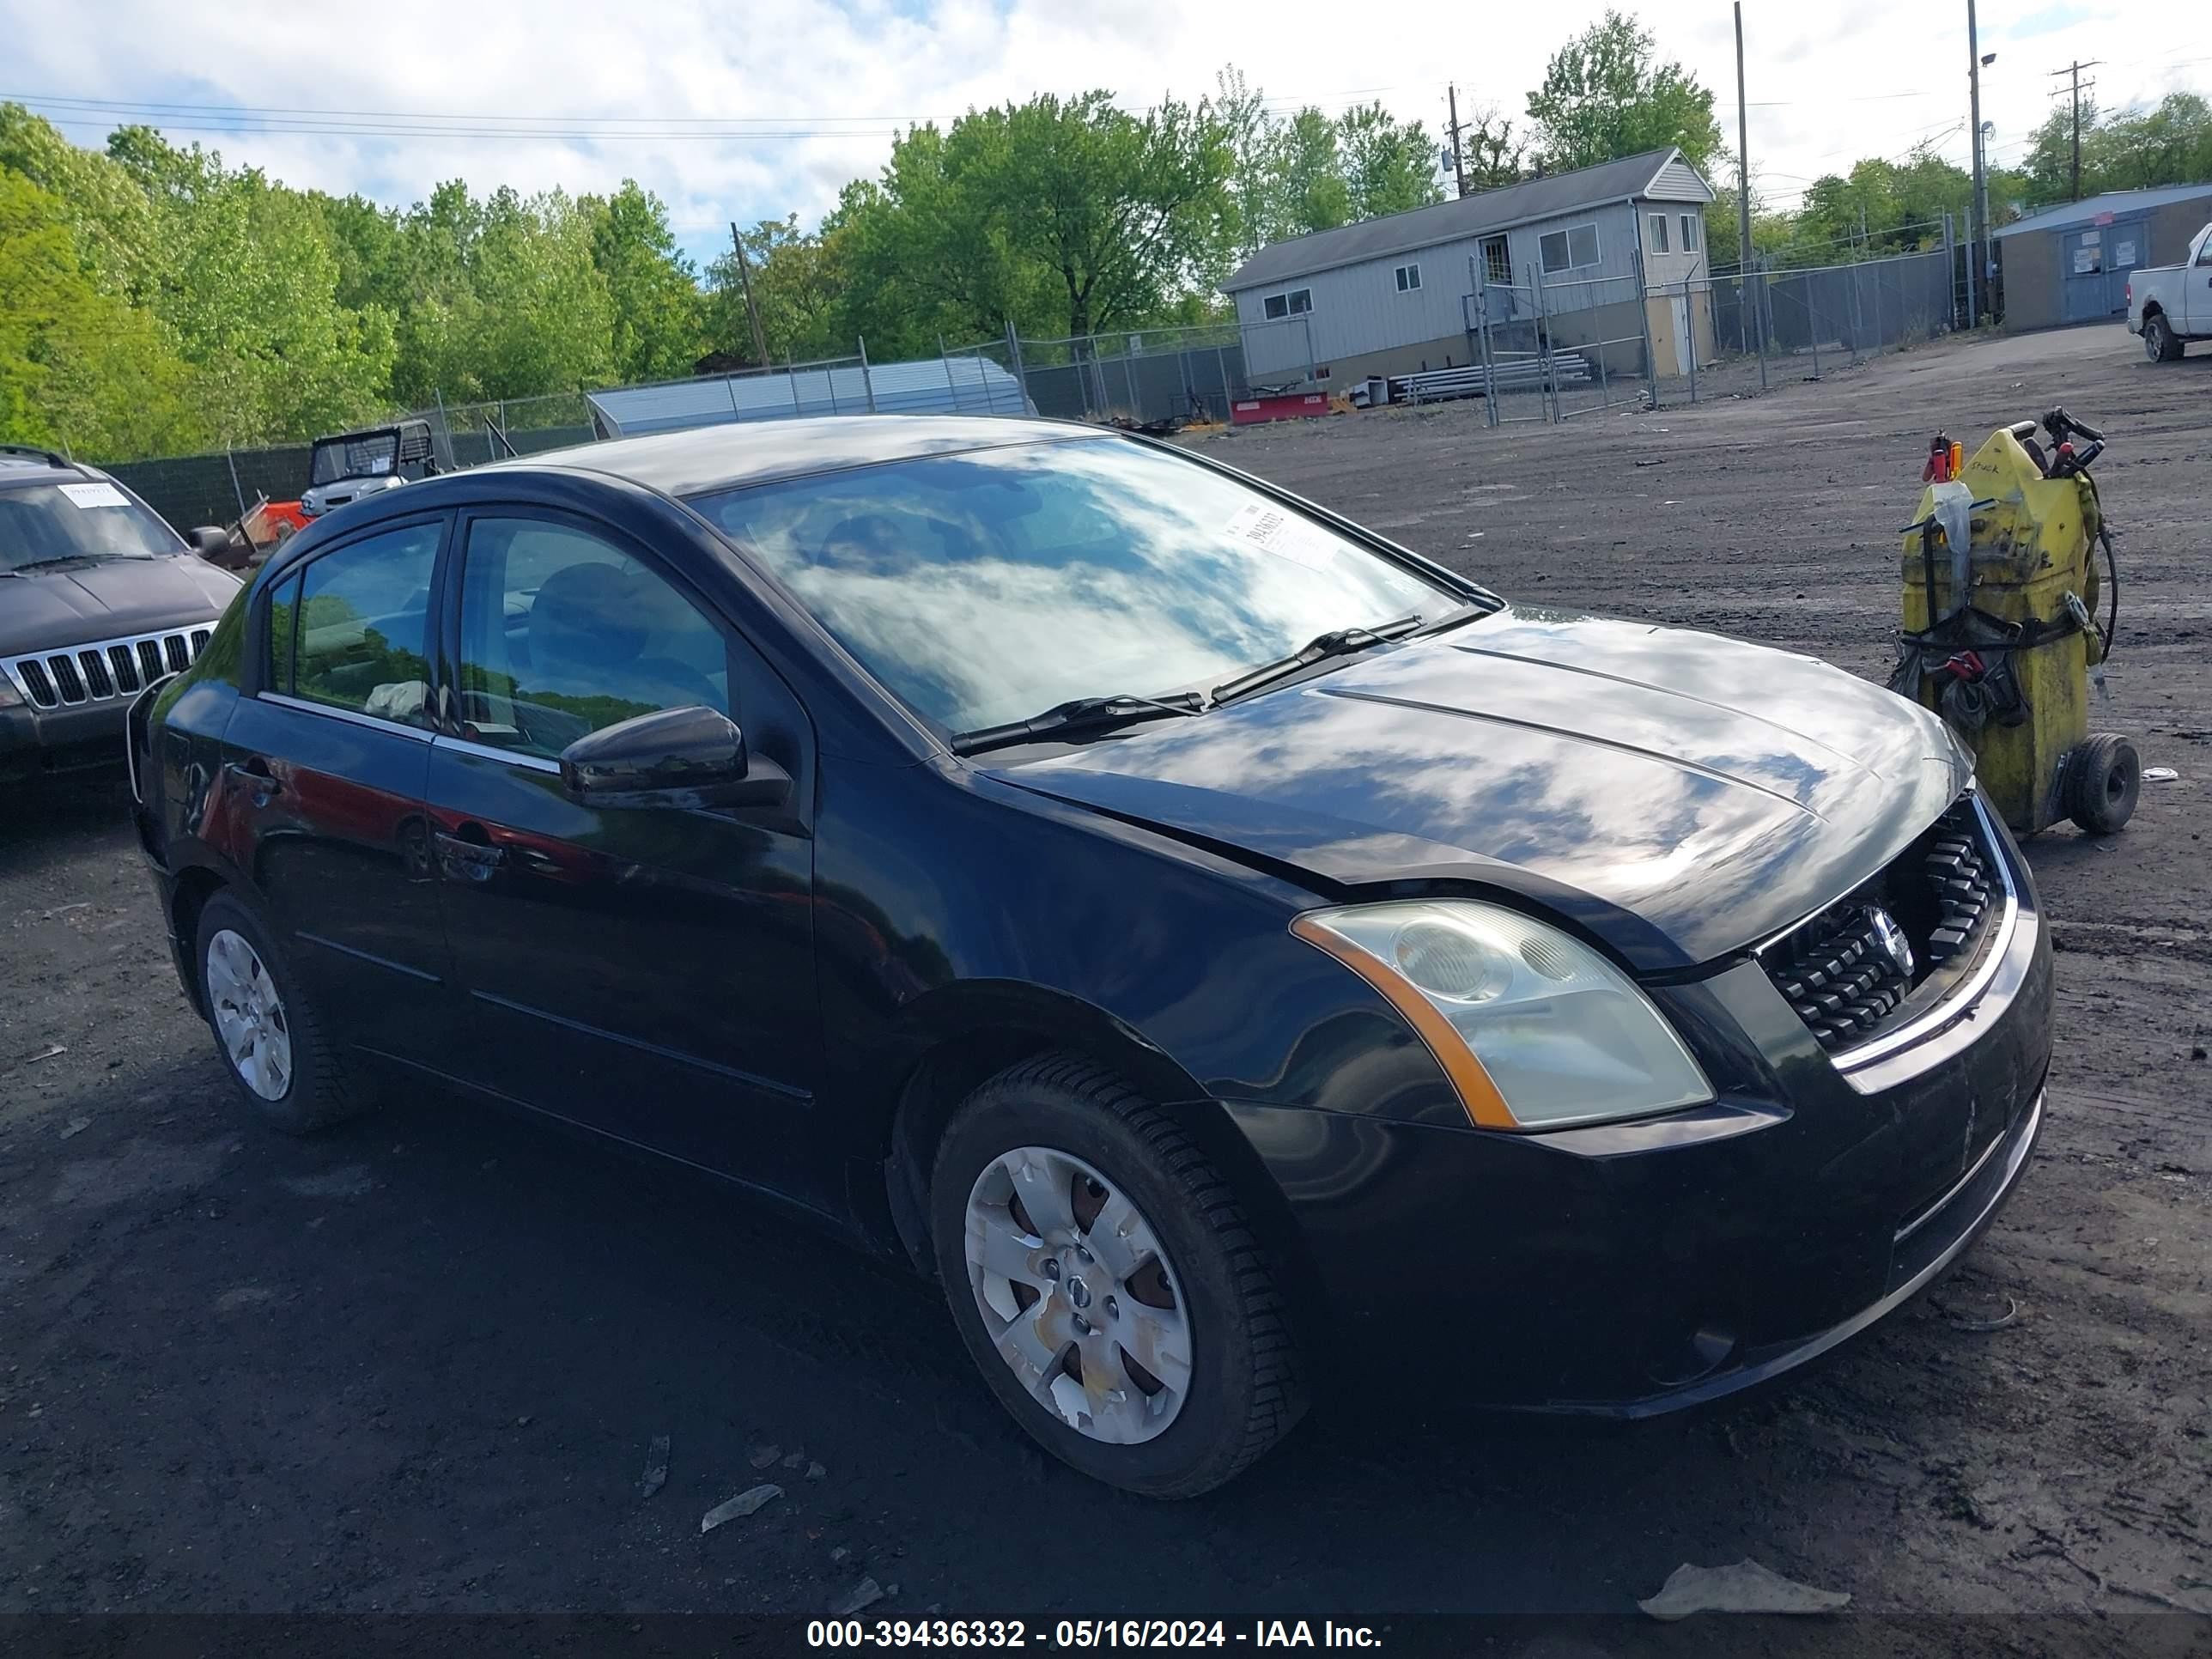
point(322, 772)
point(1685, 342)
point(646, 970)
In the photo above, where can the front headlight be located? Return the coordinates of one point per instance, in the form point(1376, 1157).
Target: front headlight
point(1535, 1030)
point(10, 696)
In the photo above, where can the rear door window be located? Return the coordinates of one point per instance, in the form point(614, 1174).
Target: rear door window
point(357, 622)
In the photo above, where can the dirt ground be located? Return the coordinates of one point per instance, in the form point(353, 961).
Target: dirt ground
point(417, 1364)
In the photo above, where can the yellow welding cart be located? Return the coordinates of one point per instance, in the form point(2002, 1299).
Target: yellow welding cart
point(2000, 638)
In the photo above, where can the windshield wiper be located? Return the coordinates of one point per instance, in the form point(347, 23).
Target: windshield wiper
point(1337, 642)
point(1081, 714)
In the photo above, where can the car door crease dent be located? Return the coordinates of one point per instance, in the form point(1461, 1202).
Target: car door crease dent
point(1687, 696)
point(1690, 767)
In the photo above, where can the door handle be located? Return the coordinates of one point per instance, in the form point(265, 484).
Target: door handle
point(255, 775)
point(468, 861)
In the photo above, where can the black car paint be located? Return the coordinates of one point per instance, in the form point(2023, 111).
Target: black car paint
point(793, 996)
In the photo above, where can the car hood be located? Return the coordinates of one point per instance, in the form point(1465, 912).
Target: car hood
point(1680, 795)
point(79, 603)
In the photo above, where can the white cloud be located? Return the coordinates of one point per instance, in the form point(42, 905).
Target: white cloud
point(831, 82)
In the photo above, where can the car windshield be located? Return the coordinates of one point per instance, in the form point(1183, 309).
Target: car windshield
point(370, 455)
point(986, 587)
point(44, 524)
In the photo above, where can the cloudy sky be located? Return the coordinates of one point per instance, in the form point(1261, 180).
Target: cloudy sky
point(746, 111)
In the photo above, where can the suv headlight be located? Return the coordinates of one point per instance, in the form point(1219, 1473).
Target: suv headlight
point(1535, 1030)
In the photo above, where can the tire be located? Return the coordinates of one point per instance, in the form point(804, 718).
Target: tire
point(1241, 1389)
point(310, 1090)
point(2160, 343)
point(2103, 778)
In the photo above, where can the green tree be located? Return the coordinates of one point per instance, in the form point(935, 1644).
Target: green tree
point(1606, 95)
point(1389, 165)
point(1489, 154)
point(799, 285)
point(1310, 191)
point(651, 287)
point(79, 367)
point(1065, 215)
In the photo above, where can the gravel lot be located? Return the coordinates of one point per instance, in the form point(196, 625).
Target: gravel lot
point(417, 1364)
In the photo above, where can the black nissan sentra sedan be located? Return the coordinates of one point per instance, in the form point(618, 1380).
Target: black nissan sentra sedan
point(1206, 937)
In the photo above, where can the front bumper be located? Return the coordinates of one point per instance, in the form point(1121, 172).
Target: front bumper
point(1629, 1269)
point(39, 743)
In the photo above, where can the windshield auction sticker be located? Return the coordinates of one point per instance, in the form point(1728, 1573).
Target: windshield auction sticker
point(1281, 532)
point(95, 495)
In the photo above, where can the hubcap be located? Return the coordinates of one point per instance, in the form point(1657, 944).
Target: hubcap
point(1078, 1295)
point(249, 1014)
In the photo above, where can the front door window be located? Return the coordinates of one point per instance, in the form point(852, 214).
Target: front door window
point(563, 633)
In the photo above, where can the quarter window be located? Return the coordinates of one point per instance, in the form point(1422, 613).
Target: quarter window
point(1409, 278)
point(563, 633)
point(351, 630)
point(1572, 249)
point(1659, 233)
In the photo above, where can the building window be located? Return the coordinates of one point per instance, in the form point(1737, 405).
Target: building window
point(1496, 260)
point(1409, 278)
point(1690, 229)
point(1572, 249)
point(1658, 233)
point(1296, 303)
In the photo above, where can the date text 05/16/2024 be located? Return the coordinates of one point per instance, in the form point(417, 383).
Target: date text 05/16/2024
point(1087, 1633)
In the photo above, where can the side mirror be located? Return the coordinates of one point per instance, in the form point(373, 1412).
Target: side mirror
point(687, 756)
point(208, 541)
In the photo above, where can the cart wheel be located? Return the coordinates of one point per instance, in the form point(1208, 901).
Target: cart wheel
point(2103, 778)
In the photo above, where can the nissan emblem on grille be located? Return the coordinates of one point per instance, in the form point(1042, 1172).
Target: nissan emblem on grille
point(1891, 937)
point(1848, 971)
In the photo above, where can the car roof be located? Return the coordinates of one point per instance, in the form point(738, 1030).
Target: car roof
point(701, 459)
point(23, 463)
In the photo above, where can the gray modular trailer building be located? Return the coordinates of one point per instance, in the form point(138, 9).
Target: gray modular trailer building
point(1397, 294)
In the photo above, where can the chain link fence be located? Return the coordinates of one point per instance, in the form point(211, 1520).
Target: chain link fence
point(1141, 376)
point(1729, 334)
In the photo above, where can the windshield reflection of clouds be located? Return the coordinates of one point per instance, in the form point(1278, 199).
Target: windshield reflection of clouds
point(988, 586)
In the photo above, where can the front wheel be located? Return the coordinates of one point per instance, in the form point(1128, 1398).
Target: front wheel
point(1108, 1284)
point(2160, 343)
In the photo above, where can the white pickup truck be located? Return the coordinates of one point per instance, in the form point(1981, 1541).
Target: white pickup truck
point(2172, 305)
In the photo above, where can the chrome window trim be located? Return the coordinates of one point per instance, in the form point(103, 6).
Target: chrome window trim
point(486, 751)
point(1961, 1001)
point(351, 717)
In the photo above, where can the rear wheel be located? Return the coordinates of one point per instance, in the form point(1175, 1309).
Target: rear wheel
point(2103, 778)
point(1108, 1284)
point(2160, 343)
point(272, 1038)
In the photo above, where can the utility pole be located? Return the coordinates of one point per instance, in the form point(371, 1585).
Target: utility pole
point(1977, 209)
point(752, 310)
point(1743, 183)
point(2075, 70)
point(1459, 156)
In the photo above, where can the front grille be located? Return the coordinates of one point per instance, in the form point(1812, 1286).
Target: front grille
point(103, 670)
point(1841, 970)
